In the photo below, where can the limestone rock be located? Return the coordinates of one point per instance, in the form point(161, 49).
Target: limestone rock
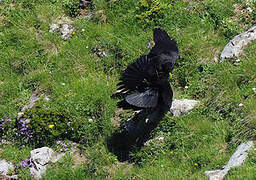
point(182, 106)
point(236, 160)
point(235, 46)
point(41, 158)
point(157, 139)
point(100, 51)
point(32, 101)
point(63, 26)
point(4, 168)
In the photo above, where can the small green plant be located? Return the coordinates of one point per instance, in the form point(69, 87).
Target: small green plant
point(41, 125)
point(148, 12)
point(229, 27)
point(71, 7)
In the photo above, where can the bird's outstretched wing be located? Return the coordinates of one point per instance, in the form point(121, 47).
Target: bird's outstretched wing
point(146, 99)
point(137, 84)
point(137, 76)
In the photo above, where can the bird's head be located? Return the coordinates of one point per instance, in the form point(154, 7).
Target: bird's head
point(165, 63)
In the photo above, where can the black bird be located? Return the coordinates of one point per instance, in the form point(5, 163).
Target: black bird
point(144, 84)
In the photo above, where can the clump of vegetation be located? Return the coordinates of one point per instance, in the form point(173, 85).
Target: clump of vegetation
point(157, 13)
point(72, 7)
point(42, 126)
point(149, 12)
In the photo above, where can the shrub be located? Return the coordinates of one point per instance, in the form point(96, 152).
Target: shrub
point(42, 125)
point(71, 7)
point(148, 12)
point(161, 13)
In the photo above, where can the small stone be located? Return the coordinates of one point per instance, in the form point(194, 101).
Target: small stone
point(183, 106)
point(240, 105)
point(54, 28)
point(249, 9)
point(20, 115)
point(63, 26)
point(160, 139)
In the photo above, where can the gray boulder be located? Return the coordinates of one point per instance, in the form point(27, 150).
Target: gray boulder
point(4, 168)
point(236, 160)
point(235, 46)
point(41, 158)
point(182, 106)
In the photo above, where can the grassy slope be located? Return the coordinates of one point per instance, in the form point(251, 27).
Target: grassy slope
point(32, 58)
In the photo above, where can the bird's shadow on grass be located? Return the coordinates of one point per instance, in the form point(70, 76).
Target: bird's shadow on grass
point(135, 133)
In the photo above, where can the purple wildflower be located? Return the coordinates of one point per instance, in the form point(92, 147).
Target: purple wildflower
point(150, 44)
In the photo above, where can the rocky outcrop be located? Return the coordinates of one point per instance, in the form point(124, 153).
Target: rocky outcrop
point(235, 46)
point(4, 168)
point(236, 160)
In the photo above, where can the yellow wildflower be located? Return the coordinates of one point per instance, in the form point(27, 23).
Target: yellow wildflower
point(196, 164)
point(73, 32)
point(51, 126)
point(170, 75)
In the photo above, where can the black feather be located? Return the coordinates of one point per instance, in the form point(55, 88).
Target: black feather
point(147, 99)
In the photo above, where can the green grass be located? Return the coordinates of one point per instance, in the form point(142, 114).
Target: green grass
point(80, 83)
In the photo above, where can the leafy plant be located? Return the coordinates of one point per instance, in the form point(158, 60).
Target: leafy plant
point(71, 7)
point(41, 126)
